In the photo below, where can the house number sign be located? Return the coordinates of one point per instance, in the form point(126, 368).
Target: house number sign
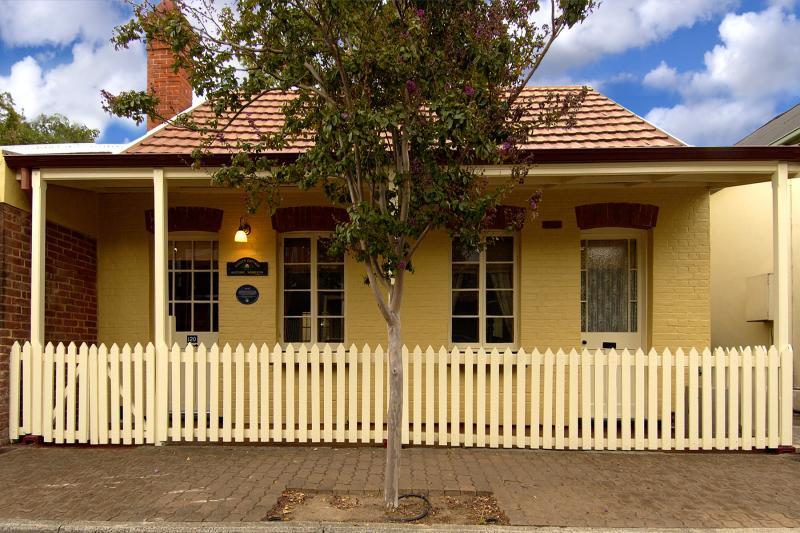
point(247, 294)
point(247, 266)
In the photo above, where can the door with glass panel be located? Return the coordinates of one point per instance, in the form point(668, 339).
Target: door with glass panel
point(194, 291)
point(612, 290)
point(313, 291)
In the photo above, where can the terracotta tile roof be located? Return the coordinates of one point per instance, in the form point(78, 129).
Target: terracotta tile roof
point(600, 123)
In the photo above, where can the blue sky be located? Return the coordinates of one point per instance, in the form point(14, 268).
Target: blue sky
point(707, 71)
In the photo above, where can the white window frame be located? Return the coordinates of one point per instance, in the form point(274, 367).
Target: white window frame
point(314, 315)
point(642, 271)
point(193, 236)
point(514, 344)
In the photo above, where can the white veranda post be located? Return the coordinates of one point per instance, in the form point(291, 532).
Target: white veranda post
point(38, 232)
point(160, 297)
point(781, 226)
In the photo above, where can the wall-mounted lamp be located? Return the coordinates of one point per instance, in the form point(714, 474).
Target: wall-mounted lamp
point(243, 231)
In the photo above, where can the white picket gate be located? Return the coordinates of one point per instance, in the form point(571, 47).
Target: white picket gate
point(729, 399)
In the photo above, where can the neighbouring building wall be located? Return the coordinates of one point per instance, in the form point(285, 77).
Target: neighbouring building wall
point(70, 288)
point(70, 282)
point(741, 246)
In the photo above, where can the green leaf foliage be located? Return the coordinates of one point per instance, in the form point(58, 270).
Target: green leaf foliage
point(44, 129)
point(403, 100)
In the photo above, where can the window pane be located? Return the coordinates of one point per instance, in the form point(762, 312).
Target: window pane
point(182, 254)
point(461, 255)
point(215, 289)
point(183, 317)
point(583, 316)
point(330, 277)
point(465, 302)
point(169, 286)
point(331, 330)
point(323, 253)
point(500, 303)
point(296, 303)
point(183, 285)
point(297, 329)
point(499, 276)
point(297, 250)
point(202, 255)
point(500, 249)
point(202, 317)
point(330, 303)
point(634, 317)
point(202, 285)
point(297, 277)
point(500, 329)
point(634, 286)
point(607, 285)
point(215, 317)
point(465, 330)
point(583, 285)
point(465, 276)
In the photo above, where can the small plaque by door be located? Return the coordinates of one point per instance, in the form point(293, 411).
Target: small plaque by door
point(247, 266)
point(609, 345)
point(247, 294)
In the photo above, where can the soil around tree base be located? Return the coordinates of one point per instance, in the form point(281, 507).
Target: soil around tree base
point(294, 505)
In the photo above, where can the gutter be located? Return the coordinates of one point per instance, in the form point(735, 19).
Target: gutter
point(541, 156)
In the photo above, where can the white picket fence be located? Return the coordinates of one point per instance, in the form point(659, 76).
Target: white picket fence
point(728, 399)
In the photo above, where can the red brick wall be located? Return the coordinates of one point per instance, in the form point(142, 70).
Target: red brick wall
point(70, 289)
point(172, 88)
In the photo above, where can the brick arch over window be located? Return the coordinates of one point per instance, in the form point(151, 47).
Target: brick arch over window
point(616, 215)
point(187, 218)
point(307, 218)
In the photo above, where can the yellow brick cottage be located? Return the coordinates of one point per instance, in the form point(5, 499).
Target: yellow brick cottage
point(617, 259)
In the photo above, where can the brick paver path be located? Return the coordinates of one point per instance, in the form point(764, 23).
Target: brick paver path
point(234, 483)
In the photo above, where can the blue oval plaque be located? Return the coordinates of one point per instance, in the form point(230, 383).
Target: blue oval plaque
point(247, 294)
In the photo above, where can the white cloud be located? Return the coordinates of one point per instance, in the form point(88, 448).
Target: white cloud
point(57, 22)
point(711, 122)
point(73, 89)
point(744, 77)
point(619, 25)
point(663, 77)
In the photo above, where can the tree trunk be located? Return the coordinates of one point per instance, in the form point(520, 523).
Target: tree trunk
point(395, 415)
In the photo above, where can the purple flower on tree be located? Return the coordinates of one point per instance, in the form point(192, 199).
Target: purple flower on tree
point(411, 86)
point(469, 90)
point(420, 13)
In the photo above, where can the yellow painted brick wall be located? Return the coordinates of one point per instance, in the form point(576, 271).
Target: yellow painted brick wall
point(549, 279)
point(124, 260)
point(679, 263)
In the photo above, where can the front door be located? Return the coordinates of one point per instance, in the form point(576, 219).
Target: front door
point(194, 291)
point(612, 290)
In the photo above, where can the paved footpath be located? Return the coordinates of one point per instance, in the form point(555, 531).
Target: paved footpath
point(241, 483)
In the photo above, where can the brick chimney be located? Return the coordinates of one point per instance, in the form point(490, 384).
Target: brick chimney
point(172, 89)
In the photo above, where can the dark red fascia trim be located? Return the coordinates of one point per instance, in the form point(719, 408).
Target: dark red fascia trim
point(544, 156)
